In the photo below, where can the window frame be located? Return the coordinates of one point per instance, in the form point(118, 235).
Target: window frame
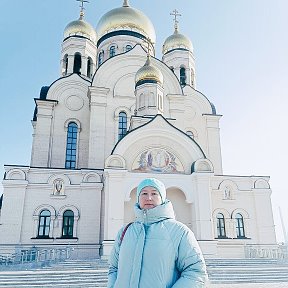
point(122, 131)
point(112, 51)
point(240, 227)
point(77, 64)
point(71, 146)
point(220, 223)
point(100, 57)
point(183, 78)
point(45, 225)
point(68, 224)
point(128, 47)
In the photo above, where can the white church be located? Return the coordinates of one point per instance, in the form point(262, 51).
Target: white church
point(115, 116)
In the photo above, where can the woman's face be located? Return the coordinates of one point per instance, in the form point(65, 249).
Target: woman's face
point(149, 198)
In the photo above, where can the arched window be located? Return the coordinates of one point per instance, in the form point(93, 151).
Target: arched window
point(112, 51)
point(221, 233)
point(44, 224)
point(239, 226)
point(68, 224)
point(71, 146)
point(190, 134)
point(77, 63)
point(122, 128)
point(100, 58)
point(182, 76)
point(89, 67)
point(65, 65)
point(128, 47)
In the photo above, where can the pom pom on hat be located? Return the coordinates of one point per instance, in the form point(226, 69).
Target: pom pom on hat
point(153, 183)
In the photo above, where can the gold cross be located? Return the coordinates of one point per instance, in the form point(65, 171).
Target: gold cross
point(82, 7)
point(175, 13)
point(148, 44)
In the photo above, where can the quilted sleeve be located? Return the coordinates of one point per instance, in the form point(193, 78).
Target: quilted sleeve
point(190, 263)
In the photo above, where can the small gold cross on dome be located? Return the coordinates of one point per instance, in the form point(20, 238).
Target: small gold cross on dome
point(175, 13)
point(82, 7)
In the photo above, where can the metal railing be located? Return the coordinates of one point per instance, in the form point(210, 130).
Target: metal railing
point(279, 252)
point(34, 255)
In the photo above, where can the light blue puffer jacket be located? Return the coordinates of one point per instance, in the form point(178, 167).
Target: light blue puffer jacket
point(157, 252)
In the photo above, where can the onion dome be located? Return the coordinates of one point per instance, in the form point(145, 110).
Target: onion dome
point(148, 74)
point(127, 19)
point(177, 41)
point(80, 28)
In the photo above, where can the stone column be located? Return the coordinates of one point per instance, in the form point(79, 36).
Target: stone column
point(203, 205)
point(114, 207)
point(40, 155)
point(98, 103)
point(213, 140)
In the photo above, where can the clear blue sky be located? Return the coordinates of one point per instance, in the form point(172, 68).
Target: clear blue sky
point(241, 50)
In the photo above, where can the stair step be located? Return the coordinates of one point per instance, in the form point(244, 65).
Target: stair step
point(93, 273)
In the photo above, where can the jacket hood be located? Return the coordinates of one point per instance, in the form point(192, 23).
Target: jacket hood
point(152, 182)
point(157, 214)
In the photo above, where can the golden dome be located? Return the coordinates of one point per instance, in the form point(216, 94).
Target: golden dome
point(80, 28)
point(126, 18)
point(176, 41)
point(149, 72)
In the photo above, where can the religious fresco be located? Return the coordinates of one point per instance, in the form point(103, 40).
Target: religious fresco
point(157, 160)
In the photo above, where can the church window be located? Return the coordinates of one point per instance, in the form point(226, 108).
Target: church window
point(89, 67)
point(221, 233)
point(183, 76)
point(100, 58)
point(190, 134)
point(77, 63)
point(128, 47)
point(239, 226)
point(112, 51)
point(122, 128)
point(65, 65)
point(71, 146)
point(44, 224)
point(68, 224)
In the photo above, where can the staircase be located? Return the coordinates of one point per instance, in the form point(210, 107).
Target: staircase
point(228, 271)
point(73, 273)
point(93, 273)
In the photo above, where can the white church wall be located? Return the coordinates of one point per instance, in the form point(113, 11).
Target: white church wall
point(236, 195)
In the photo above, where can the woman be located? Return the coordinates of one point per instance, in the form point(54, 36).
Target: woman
point(155, 251)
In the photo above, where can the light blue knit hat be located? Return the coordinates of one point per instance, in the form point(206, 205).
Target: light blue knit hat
point(153, 183)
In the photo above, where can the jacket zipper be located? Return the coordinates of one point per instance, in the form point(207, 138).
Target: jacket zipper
point(145, 216)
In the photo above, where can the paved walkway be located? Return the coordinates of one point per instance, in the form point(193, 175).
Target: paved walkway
point(245, 285)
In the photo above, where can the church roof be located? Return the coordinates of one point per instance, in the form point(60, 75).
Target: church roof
point(177, 41)
point(128, 19)
point(148, 73)
point(80, 28)
point(154, 120)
